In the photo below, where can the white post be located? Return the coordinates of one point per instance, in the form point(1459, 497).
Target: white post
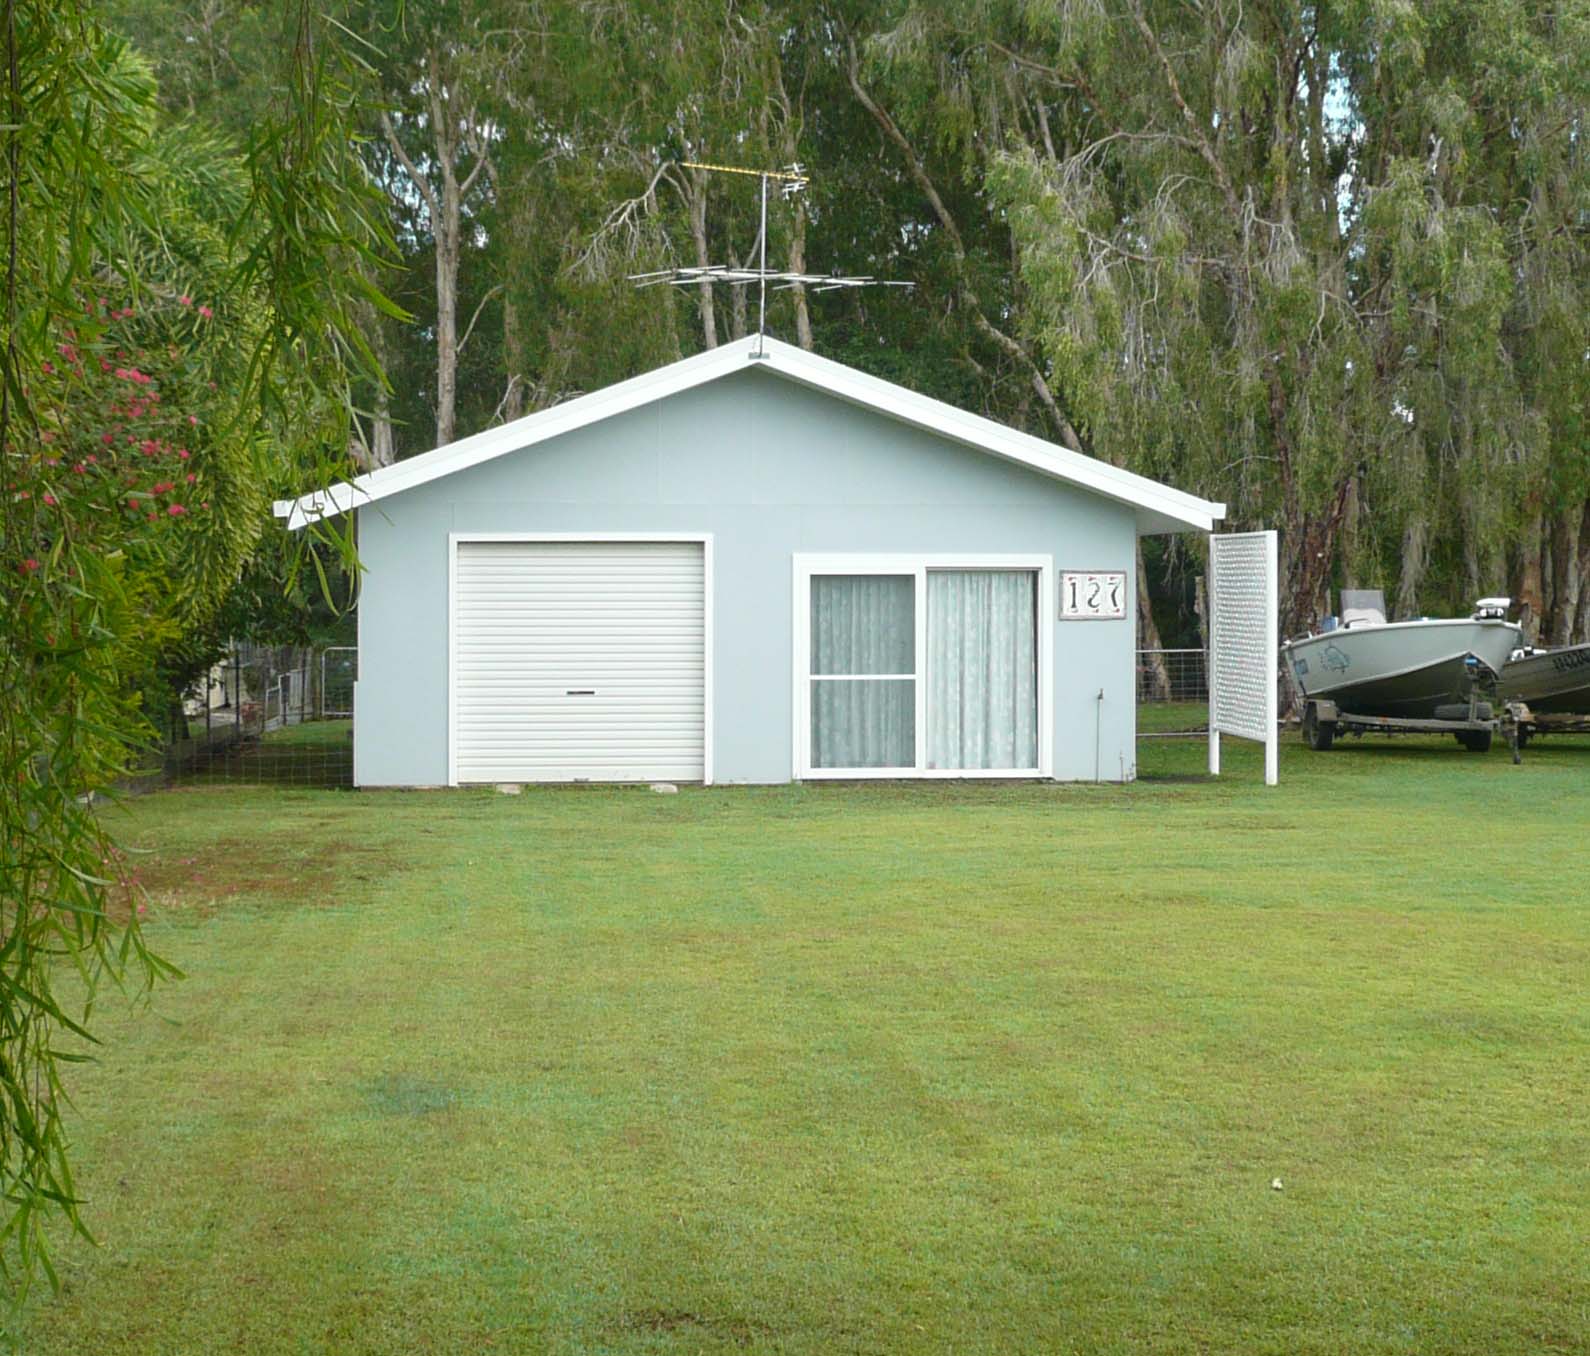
point(1210, 675)
point(1272, 652)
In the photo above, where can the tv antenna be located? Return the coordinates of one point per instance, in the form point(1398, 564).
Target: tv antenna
point(792, 179)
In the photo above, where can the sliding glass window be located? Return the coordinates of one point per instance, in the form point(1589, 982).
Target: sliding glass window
point(863, 671)
point(924, 668)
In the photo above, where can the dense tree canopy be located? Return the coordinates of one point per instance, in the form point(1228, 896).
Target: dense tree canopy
point(1326, 262)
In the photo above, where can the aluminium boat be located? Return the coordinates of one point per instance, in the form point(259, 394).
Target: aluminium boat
point(1410, 670)
point(1550, 682)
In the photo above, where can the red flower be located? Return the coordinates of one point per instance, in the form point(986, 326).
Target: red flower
point(193, 419)
point(206, 312)
point(182, 452)
point(185, 301)
point(191, 477)
point(107, 438)
point(176, 510)
point(50, 500)
point(29, 565)
point(48, 367)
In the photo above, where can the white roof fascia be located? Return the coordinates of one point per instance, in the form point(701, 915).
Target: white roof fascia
point(1160, 508)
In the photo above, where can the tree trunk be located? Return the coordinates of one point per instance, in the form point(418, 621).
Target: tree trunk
point(1529, 590)
point(737, 321)
point(378, 451)
point(797, 264)
point(1415, 556)
point(1148, 637)
point(446, 240)
point(1581, 627)
point(698, 233)
point(1563, 611)
point(513, 400)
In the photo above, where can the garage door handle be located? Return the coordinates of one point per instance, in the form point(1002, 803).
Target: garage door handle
point(580, 692)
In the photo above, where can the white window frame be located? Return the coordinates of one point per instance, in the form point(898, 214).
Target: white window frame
point(917, 566)
point(707, 608)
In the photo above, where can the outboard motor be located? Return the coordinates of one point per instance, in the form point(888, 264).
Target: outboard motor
point(1492, 609)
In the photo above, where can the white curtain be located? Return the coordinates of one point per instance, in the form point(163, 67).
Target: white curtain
point(863, 624)
point(982, 669)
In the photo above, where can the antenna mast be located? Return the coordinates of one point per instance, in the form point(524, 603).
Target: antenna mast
point(792, 179)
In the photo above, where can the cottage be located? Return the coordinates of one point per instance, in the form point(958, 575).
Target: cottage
point(754, 565)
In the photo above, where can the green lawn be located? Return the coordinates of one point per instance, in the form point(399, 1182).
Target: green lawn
point(856, 1069)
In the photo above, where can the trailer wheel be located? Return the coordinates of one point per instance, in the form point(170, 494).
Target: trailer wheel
point(1475, 741)
point(1317, 734)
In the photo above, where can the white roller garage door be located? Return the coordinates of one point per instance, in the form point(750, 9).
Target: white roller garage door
point(579, 661)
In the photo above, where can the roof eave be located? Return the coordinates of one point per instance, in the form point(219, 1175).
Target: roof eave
point(1159, 508)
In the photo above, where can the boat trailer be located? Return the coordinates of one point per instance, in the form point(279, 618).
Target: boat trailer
point(1473, 723)
point(1532, 726)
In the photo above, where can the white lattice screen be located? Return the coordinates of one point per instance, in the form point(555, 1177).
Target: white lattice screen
point(1243, 643)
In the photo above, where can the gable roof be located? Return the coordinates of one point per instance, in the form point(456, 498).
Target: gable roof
point(1159, 507)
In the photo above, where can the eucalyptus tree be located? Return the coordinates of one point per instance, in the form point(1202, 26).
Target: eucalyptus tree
point(441, 67)
point(1289, 255)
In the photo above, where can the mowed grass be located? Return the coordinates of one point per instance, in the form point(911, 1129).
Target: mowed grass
point(891, 1068)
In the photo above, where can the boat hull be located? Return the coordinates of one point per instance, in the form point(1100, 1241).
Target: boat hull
point(1552, 682)
point(1400, 670)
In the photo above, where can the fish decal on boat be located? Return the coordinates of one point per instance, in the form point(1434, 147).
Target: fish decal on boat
point(1335, 659)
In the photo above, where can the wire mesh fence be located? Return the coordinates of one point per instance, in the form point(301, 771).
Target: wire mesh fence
point(269, 716)
point(283, 715)
point(1172, 692)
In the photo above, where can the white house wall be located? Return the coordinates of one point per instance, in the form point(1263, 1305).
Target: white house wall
point(767, 469)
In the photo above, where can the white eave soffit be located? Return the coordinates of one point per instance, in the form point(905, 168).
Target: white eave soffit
point(1159, 507)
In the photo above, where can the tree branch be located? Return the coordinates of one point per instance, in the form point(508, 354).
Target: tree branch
point(1200, 141)
point(1011, 347)
point(419, 181)
point(479, 307)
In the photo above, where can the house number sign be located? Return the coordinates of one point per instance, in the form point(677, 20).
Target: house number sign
point(1092, 595)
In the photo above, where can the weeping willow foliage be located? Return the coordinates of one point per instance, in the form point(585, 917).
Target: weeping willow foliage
point(167, 303)
point(1325, 262)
